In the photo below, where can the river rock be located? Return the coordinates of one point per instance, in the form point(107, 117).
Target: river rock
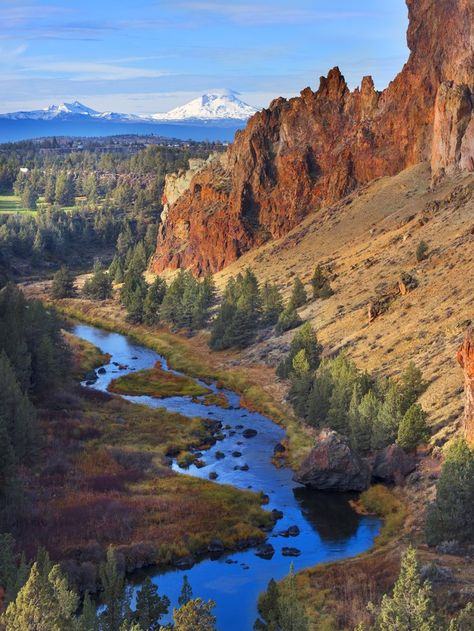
point(333, 465)
point(216, 546)
point(265, 551)
point(291, 552)
point(213, 475)
point(393, 464)
point(277, 514)
point(101, 371)
point(293, 531)
point(279, 449)
point(91, 375)
point(249, 433)
point(236, 454)
point(185, 563)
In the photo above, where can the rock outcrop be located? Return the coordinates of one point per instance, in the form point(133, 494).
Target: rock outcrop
point(466, 360)
point(307, 152)
point(392, 465)
point(333, 465)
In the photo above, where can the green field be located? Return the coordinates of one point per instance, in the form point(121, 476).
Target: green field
point(11, 204)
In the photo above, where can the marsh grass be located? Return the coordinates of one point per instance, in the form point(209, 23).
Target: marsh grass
point(158, 383)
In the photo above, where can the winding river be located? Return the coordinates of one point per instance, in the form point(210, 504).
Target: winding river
point(329, 529)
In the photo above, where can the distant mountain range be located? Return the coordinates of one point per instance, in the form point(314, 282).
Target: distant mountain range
point(218, 107)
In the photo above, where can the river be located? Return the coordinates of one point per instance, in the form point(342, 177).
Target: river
point(329, 529)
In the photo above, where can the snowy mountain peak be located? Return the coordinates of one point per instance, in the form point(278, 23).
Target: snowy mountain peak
point(71, 108)
point(215, 105)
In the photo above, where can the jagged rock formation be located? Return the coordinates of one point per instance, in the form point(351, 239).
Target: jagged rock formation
point(466, 360)
point(308, 152)
point(333, 465)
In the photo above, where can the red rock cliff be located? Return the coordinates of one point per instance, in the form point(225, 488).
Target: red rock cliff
point(466, 360)
point(307, 152)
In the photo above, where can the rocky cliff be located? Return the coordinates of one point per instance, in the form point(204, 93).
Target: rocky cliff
point(308, 152)
point(466, 360)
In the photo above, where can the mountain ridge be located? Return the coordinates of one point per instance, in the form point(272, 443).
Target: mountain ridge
point(222, 105)
point(308, 152)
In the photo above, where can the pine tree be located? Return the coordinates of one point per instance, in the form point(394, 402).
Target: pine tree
point(115, 596)
point(321, 285)
point(196, 615)
point(301, 382)
point(88, 620)
point(292, 615)
point(412, 386)
point(268, 609)
point(44, 603)
point(367, 414)
point(272, 304)
point(451, 515)
point(288, 319)
point(99, 286)
point(305, 339)
point(385, 429)
point(153, 300)
point(133, 294)
point(150, 607)
point(413, 428)
point(299, 296)
point(186, 592)
point(409, 608)
point(63, 284)
point(116, 269)
point(29, 198)
point(319, 399)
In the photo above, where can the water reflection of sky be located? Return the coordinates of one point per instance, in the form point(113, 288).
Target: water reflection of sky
point(329, 528)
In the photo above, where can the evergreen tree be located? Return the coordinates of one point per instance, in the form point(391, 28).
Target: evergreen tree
point(385, 430)
point(288, 319)
point(268, 609)
point(115, 596)
point(409, 608)
point(63, 284)
point(186, 592)
point(29, 198)
point(8, 566)
point(133, 294)
point(272, 304)
point(412, 386)
point(42, 604)
point(367, 413)
point(319, 399)
point(305, 339)
point(150, 607)
point(451, 515)
point(99, 286)
point(65, 190)
point(88, 620)
point(292, 615)
point(321, 285)
point(299, 296)
point(196, 615)
point(153, 300)
point(116, 269)
point(301, 381)
point(413, 428)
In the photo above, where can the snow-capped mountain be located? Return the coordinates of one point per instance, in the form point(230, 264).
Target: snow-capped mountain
point(214, 106)
point(68, 111)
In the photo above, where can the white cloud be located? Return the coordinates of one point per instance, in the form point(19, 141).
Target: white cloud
point(260, 15)
point(92, 71)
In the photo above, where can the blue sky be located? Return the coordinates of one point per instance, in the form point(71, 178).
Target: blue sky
point(147, 56)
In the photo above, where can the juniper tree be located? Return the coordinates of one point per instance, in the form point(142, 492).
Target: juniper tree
point(413, 428)
point(299, 296)
point(63, 284)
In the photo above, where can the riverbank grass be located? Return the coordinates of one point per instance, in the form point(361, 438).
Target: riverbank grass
point(158, 383)
point(86, 356)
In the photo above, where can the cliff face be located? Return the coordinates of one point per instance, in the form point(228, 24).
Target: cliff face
point(466, 360)
point(308, 152)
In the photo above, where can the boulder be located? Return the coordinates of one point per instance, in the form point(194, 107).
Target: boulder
point(333, 465)
point(265, 551)
point(249, 433)
point(291, 552)
point(91, 375)
point(393, 464)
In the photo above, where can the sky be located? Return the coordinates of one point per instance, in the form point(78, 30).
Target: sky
point(148, 56)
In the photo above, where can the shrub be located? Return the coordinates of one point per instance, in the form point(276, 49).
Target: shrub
point(288, 319)
point(421, 251)
point(451, 515)
point(321, 285)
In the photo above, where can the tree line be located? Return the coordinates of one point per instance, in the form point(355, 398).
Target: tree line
point(335, 393)
point(39, 598)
